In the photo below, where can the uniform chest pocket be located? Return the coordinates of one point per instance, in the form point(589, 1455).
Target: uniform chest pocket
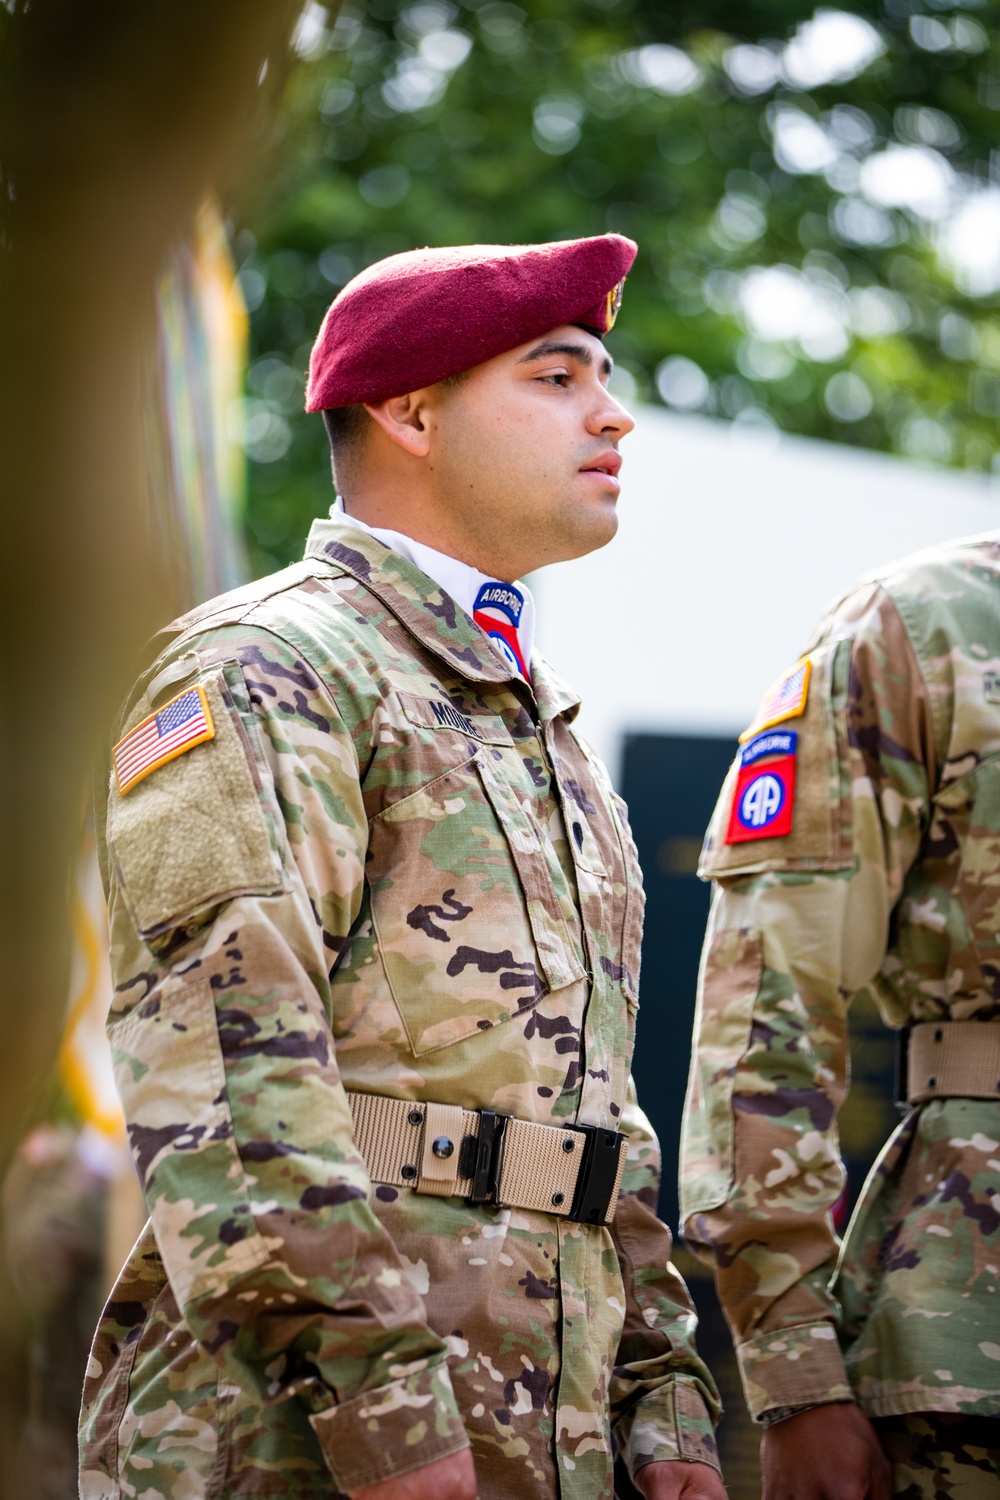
point(467, 919)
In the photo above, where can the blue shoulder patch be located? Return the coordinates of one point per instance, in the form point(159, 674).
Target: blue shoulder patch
point(770, 742)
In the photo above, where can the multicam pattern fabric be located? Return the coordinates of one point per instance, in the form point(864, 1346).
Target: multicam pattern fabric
point(889, 880)
point(394, 869)
point(942, 1457)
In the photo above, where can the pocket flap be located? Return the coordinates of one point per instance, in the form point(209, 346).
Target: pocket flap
point(444, 713)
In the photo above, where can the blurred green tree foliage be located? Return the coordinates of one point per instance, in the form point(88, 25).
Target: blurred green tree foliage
point(816, 197)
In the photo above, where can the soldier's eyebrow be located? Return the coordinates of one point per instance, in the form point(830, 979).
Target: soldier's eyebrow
point(579, 352)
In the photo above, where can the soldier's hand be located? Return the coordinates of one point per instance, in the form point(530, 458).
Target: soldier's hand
point(827, 1453)
point(451, 1478)
point(679, 1480)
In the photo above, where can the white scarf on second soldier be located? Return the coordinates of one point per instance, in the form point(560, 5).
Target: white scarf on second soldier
point(505, 612)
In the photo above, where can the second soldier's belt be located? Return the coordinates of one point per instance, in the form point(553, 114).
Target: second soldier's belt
point(572, 1171)
point(948, 1060)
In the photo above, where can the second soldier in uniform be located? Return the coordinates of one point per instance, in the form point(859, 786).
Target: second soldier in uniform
point(376, 920)
point(857, 844)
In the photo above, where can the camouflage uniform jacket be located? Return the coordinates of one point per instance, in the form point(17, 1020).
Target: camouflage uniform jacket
point(890, 880)
point(364, 882)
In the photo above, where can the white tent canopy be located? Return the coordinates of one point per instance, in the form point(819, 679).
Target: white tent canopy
point(731, 542)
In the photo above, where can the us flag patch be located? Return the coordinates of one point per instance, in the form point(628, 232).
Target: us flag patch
point(179, 725)
point(786, 700)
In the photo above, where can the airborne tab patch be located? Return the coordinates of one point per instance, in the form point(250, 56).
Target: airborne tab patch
point(179, 725)
point(771, 742)
point(785, 700)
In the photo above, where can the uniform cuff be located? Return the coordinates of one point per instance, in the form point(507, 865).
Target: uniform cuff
point(387, 1431)
point(671, 1423)
point(800, 1366)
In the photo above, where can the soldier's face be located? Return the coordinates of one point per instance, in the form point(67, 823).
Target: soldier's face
point(525, 453)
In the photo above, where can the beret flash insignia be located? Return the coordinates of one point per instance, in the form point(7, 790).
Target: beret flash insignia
point(614, 303)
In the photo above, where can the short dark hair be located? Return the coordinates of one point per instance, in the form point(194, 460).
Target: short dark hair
point(346, 427)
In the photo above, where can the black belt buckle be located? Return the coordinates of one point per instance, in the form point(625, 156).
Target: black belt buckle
point(598, 1174)
point(488, 1159)
point(901, 1081)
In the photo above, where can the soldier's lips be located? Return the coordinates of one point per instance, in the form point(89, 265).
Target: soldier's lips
point(605, 469)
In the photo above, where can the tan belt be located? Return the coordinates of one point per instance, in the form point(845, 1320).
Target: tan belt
point(572, 1171)
point(952, 1060)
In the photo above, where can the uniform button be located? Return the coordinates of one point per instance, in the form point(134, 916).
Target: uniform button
point(415, 1117)
point(408, 1172)
point(443, 1147)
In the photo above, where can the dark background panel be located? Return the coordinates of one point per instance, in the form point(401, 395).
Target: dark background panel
point(670, 783)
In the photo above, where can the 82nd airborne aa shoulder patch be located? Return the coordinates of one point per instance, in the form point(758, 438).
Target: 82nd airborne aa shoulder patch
point(764, 798)
point(178, 726)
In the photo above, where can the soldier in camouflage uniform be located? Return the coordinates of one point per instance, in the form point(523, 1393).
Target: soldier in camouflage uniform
point(857, 844)
point(376, 919)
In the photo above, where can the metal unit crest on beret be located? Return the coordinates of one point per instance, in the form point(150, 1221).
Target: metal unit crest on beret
point(614, 303)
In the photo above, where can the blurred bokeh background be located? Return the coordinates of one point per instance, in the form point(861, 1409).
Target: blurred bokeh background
point(810, 338)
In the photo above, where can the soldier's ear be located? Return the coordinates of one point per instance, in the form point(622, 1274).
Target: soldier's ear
point(404, 419)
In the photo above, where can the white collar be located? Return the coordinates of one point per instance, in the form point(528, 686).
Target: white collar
point(505, 612)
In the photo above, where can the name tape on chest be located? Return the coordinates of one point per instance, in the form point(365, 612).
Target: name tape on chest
point(764, 799)
point(177, 727)
point(449, 715)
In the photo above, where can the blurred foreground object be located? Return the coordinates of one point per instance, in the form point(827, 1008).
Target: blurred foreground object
point(54, 1202)
point(114, 121)
point(72, 1204)
point(197, 463)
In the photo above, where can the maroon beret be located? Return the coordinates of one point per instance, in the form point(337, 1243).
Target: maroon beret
point(416, 318)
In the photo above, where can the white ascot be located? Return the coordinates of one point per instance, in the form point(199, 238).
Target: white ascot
point(505, 612)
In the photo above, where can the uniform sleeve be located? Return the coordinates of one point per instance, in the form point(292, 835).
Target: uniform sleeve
point(664, 1403)
point(798, 925)
point(235, 874)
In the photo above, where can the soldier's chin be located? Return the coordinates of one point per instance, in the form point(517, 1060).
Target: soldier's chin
point(591, 526)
